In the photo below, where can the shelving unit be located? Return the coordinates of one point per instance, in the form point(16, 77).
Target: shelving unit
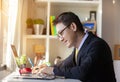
point(44, 9)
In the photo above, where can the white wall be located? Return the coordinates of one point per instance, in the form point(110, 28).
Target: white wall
point(117, 22)
point(110, 22)
point(111, 28)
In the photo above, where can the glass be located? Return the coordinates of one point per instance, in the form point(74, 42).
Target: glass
point(59, 35)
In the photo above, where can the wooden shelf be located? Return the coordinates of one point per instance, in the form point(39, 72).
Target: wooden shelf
point(35, 36)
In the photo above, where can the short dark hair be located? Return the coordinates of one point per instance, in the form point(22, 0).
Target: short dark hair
point(67, 18)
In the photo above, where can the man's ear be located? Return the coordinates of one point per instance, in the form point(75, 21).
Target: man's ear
point(73, 27)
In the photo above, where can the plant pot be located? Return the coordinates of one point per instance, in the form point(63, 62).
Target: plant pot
point(29, 30)
point(38, 29)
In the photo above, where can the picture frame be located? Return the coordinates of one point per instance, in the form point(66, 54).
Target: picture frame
point(117, 52)
point(90, 26)
point(92, 15)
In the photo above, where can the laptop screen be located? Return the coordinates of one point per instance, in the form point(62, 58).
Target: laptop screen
point(14, 51)
point(15, 54)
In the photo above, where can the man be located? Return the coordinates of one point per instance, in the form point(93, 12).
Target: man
point(92, 63)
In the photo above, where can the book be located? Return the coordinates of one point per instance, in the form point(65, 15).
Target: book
point(53, 28)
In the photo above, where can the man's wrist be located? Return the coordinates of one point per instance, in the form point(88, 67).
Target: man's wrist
point(52, 72)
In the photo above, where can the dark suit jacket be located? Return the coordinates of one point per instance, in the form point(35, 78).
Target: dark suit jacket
point(94, 63)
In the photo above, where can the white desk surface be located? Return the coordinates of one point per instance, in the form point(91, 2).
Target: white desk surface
point(9, 78)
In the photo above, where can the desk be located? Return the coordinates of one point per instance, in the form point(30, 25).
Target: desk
point(10, 78)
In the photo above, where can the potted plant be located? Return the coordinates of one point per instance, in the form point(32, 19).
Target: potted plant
point(38, 25)
point(29, 23)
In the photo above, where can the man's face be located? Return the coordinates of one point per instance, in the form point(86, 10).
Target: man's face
point(66, 34)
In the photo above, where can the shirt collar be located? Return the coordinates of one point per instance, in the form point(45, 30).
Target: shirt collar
point(83, 40)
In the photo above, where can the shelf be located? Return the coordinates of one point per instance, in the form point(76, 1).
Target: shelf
point(35, 36)
point(40, 36)
point(76, 3)
point(53, 37)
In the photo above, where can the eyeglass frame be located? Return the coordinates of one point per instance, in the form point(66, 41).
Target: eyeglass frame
point(59, 35)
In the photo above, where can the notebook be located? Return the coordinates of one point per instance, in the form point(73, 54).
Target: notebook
point(30, 76)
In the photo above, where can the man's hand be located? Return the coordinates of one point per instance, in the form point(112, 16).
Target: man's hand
point(37, 68)
point(46, 70)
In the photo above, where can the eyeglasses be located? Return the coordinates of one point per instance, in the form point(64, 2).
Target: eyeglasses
point(59, 35)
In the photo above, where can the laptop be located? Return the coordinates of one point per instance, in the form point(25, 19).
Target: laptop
point(34, 76)
point(29, 76)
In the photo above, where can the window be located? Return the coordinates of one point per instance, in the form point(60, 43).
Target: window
point(10, 24)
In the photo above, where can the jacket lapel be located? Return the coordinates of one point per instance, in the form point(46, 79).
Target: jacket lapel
point(83, 50)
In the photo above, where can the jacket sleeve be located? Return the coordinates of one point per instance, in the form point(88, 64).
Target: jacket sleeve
point(65, 65)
